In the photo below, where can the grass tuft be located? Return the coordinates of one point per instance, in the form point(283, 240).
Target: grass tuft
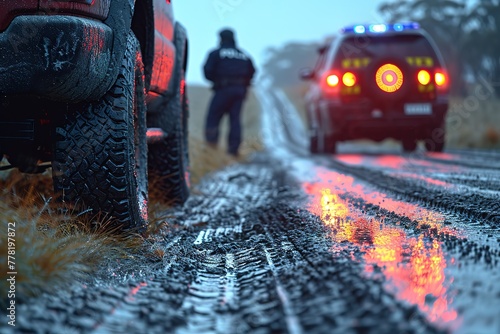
point(492, 136)
point(53, 245)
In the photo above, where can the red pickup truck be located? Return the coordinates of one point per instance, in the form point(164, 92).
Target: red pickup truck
point(95, 90)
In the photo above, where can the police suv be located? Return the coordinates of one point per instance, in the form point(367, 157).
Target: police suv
point(375, 82)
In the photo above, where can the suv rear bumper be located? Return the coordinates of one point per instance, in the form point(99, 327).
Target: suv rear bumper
point(349, 122)
point(63, 58)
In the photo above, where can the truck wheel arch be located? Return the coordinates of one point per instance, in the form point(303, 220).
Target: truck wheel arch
point(181, 56)
point(143, 28)
point(119, 19)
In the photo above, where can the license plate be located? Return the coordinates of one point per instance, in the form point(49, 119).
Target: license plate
point(418, 109)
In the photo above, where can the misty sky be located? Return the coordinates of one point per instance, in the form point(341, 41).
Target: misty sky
point(262, 23)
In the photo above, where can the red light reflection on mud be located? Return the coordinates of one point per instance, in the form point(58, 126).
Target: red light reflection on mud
point(423, 178)
point(414, 265)
point(396, 161)
point(442, 156)
point(351, 159)
point(136, 289)
point(391, 161)
point(399, 164)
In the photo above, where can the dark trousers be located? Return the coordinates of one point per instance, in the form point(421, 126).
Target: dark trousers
point(226, 100)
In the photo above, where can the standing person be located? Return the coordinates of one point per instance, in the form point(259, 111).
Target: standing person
point(230, 70)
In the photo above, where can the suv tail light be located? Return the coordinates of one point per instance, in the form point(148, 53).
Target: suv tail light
point(332, 80)
point(340, 83)
point(441, 79)
point(349, 79)
point(424, 77)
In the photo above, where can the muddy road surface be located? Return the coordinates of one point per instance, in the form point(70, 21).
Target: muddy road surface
point(368, 241)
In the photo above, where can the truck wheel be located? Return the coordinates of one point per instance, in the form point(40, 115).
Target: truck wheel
point(321, 143)
point(433, 144)
point(100, 156)
point(313, 144)
point(331, 145)
point(409, 145)
point(168, 159)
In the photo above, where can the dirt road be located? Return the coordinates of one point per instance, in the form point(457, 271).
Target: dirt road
point(368, 241)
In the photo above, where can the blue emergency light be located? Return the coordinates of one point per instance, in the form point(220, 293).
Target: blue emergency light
point(380, 28)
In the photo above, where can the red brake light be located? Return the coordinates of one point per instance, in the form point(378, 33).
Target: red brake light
point(441, 79)
point(349, 79)
point(424, 77)
point(332, 80)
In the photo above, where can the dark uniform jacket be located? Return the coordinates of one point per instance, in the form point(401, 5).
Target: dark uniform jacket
point(228, 66)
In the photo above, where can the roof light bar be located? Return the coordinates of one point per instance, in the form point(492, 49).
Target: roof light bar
point(381, 28)
point(359, 29)
point(377, 28)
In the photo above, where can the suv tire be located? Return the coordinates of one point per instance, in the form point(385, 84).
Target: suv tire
point(432, 146)
point(168, 159)
point(435, 145)
point(409, 145)
point(101, 150)
point(321, 143)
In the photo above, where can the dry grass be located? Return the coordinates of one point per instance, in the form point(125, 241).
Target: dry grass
point(54, 245)
point(471, 122)
point(296, 95)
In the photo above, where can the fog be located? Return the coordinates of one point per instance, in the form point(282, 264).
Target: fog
point(260, 24)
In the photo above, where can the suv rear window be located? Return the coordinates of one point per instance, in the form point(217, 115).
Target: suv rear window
point(384, 46)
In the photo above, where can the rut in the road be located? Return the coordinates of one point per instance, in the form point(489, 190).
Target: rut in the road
point(485, 209)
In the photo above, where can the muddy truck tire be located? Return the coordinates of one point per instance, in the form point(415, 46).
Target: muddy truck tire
point(101, 151)
point(168, 159)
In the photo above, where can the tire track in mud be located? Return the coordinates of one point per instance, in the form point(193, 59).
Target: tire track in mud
point(450, 168)
point(234, 290)
point(420, 165)
point(475, 158)
point(328, 289)
point(274, 287)
point(472, 205)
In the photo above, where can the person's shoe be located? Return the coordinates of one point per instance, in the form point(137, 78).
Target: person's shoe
point(211, 145)
point(234, 155)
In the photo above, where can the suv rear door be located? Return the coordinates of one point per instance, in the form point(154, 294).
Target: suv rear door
point(365, 55)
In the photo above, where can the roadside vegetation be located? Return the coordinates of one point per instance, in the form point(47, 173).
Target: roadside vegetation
point(55, 245)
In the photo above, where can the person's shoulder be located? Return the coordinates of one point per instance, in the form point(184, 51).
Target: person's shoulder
point(214, 50)
point(249, 57)
point(213, 53)
point(244, 52)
